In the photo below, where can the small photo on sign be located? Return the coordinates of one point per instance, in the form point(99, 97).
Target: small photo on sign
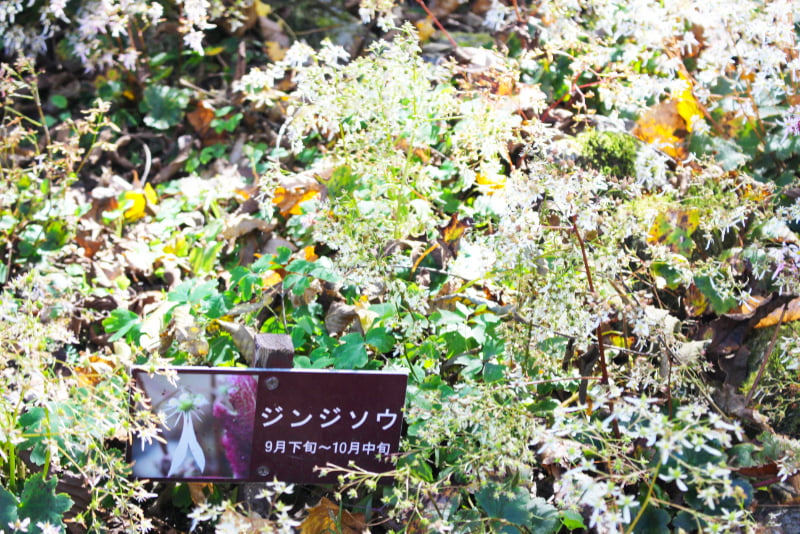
point(209, 430)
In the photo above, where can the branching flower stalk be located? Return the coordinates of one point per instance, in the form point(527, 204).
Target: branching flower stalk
point(600, 346)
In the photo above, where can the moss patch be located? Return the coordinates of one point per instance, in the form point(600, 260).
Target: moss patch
point(613, 153)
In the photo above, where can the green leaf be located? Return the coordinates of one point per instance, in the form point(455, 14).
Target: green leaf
point(493, 372)
point(671, 276)
point(59, 101)
point(320, 358)
point(222, 350)
point(122, 323)
point(244, 280)
point(298, 283)
point(192, 292)
point(164, 106)
point(302, 362)
point(689, 522)
point(706, 287)
point(342, 180)
point(264, 263)
point(30, 420)
point(742, 455)
point(8, 507)
point(653, 521)
point(422, 469)
point(544, 516)
point(498, 504)
point(40, 503)
point(219, 305)
point(472, 365)
point(203, 259)
point(31, 423)
point(381, 338)
point(322, 269)
point(455, 342)
point(351, 354)
point(516, 507)
point(212, 152)
point(572, 520)
point(284, 253)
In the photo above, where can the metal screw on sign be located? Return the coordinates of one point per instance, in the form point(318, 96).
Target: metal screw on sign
point(263, 470)
point(272, 383)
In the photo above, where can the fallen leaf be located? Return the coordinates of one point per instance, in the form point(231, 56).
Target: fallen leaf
point(189, 336)
point(695, 302)
point(274, 50)
point(339, 317)
point(263, 9)
point(327, 516)
point(310, 254)
point(686, 104)
point(242, 223)
point(197, 490)
point(288, 201)
point(792, 314)
point(442, 8)
point(452, 233)
point(728, 334)
point(674, 228)
point(365, 316)
point(200, 118)
point(492, 183)
point(272, 279)
point(89, 241)
point(663, 126)
point(139, 199)
point(758, 471)
point(425, 29)
point(97, 368)
point(232, 521)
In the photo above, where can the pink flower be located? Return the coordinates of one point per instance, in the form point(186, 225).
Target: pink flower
point(235, 410)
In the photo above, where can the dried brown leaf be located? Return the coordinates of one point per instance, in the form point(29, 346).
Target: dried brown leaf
point(242, 223)
point(339, 317)
point(792, 314)
point(197, 490)
point(327, 516)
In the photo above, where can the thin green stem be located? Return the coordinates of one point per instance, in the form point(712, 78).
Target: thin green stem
point(645, 501)
point(765, 360)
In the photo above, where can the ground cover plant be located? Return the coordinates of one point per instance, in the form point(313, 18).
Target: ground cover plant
point(574, 224)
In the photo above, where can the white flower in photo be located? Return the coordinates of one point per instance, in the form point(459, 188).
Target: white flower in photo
point(185, 407)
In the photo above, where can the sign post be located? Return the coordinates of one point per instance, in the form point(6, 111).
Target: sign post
point(256, 425)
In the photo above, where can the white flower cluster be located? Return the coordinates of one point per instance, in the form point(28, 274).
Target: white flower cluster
point(102, 33)
point(671, 441)
point(748, 44)
point(384, 116)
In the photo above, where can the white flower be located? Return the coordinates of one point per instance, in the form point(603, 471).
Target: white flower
point(128, 58)
point(185, 407)
point(709, 496)
point(496, 16)
point(791, 122)
point(194, 40)
point(676, 475)
point(330, 54)
point(20, 526)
